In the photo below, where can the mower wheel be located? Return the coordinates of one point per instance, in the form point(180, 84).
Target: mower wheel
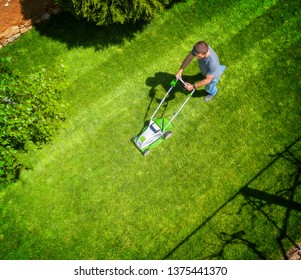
point(167, 135)
point(145, 153)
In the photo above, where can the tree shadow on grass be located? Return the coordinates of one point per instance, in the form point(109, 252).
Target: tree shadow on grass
point(229, 239)
point(262, 201)
point(258, 200)
point(65, 28)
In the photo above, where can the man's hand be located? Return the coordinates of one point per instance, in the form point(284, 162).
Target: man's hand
point(189, 87)
point(198, 84)
point(179, 74)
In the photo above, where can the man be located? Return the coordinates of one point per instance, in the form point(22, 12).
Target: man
point(209, 65)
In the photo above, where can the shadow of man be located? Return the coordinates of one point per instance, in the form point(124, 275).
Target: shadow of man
point(164, 79)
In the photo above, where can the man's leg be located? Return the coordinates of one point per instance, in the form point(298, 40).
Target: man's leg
point(211, 87)
point(211, 90)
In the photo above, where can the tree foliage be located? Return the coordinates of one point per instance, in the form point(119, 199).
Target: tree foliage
point(105, 12)
point(31, 110)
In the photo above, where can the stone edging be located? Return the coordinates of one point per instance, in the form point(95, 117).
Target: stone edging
point(12, 33)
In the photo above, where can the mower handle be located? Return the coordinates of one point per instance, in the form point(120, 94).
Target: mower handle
point(174, 82)
point(182, 81)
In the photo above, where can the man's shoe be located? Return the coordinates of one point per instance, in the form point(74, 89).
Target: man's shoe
point(208, 97)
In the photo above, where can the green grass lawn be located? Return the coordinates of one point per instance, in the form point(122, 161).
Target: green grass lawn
point(225, 186)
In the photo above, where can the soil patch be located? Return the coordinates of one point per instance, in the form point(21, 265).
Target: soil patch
point(294, 253)
point(17, 17)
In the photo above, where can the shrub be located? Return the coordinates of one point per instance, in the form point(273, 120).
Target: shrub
point(31, 111)
point(105, 12)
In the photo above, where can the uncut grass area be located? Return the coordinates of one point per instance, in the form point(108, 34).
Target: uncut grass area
point(226, 185)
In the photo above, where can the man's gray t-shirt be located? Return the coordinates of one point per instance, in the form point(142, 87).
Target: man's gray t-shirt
point(210, 65)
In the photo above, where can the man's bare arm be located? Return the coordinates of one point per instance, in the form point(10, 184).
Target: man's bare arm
point(201, 83)
point(185, 63)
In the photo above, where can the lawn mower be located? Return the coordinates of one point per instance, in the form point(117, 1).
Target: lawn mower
point(158, 129)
